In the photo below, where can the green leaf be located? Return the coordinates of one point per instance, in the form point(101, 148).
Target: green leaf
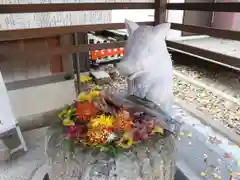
point(71, 111)
point(63, 114)
point(118, 150)
point(101, 147)
point(69, 145)
point(113, 151)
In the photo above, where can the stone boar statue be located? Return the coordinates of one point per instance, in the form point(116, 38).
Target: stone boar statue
point(147, 64)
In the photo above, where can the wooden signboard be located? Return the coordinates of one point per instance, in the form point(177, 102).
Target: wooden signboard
point(7, 119)
point(52, 19)
point(67, 18)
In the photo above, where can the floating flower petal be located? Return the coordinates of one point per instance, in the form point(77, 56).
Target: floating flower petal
point(202, 174)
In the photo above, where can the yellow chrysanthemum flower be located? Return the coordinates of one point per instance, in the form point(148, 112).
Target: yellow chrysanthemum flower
point(68, 122)
point(126, 141)
point(84, 79)
point(102, 121)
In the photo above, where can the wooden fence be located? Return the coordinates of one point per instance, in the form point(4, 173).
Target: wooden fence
point(160, 7)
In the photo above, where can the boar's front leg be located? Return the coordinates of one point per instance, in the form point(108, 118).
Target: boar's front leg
point(135, 83)
point(162, 95)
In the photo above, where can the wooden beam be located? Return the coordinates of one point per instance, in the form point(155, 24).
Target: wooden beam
point(217, 57)
point(57, 7)
point(82, 38)
point(214, 32)
point(38, 81)
point(10, 35)
point(160, 11)
point(217, 7)
point(60, 50)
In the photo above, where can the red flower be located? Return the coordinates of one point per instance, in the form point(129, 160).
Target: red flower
point(136, 135)
point(75, 131)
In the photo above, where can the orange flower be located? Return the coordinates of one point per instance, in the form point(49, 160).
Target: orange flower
point(123, 125)
point(123, 121)
point(85, 110)
point(97, 135)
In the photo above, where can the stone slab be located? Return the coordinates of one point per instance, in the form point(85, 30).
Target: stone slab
point(21, 165)
point(100, 77)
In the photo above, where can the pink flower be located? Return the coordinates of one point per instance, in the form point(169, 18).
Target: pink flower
point(75, 131)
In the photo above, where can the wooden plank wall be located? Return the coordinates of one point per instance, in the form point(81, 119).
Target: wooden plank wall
point(15, 68)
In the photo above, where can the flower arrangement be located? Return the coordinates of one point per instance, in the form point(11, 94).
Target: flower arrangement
point(92, 122)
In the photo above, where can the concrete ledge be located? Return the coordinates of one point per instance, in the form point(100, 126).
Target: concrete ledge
point(39, 120)
point(38, 81)
point(207, 120)
point(41, 99)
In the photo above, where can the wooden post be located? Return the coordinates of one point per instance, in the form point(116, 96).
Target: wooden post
point(65, 40)
point(76, 66)
point(83, 57)
point(80, 60)
point(160, 12)
point(84, 66)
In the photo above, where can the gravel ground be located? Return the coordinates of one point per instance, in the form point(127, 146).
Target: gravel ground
point(220, 78)
point(217, 107)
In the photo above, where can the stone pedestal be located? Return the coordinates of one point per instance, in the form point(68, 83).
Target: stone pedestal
point(154, 160)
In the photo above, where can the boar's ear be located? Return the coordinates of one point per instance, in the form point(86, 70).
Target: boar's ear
point(130, 26)
point(162, 29)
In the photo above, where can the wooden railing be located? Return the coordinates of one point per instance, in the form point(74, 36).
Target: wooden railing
point(219, 33)
point(159, 17)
